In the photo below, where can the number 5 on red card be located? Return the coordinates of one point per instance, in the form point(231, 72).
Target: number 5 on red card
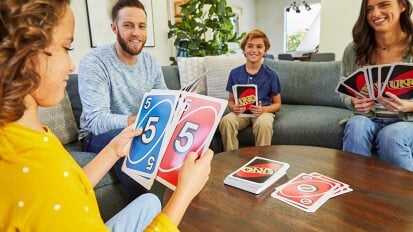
point(193, 132)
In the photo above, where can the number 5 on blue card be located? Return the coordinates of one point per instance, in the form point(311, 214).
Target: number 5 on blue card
point(155, 114)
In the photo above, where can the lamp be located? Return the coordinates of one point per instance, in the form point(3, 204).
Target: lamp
point(295, 6)
point(306, 6)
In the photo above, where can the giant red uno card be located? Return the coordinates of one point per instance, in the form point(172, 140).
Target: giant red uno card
point(400, 81)
point(306, 191)
point(344, 89)
point(193, 132)
point(342, 187)
point(359, 82)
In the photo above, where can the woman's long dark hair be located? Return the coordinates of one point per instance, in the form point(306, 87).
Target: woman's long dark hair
point(363, 33)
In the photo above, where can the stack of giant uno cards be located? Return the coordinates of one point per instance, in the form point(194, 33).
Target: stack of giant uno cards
point(247, 96)
point(373, 81)
point(257, 174)
point(309, 191)
point(174, 123)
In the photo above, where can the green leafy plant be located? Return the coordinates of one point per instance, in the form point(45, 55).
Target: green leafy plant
point(203, 28)
point(294, 39)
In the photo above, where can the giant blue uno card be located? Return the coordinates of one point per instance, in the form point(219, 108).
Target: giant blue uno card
point(192, 131)
point(155, 115)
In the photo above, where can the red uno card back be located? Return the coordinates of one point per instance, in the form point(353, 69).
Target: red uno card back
point(306, 190)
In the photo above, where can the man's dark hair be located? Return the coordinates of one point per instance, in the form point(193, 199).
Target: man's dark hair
point(126, 3)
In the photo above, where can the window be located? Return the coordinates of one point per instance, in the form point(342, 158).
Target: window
point(302, 30)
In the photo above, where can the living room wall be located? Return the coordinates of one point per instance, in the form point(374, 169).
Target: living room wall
point(81, 43)
point(270, 18)
point(337, 20)
point(161, 13)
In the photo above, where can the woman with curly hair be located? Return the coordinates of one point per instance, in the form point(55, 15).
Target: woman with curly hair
point(43, 188)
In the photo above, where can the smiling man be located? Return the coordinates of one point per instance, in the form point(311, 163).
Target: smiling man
point(112, 81)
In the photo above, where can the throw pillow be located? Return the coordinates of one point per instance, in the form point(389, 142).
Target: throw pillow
point(217, 77)
point(191, 68)
point(60, 120)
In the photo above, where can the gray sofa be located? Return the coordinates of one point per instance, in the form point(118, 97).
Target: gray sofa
point(310, 115)
point(311, 109)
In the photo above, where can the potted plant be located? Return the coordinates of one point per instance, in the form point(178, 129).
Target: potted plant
point(203, 29)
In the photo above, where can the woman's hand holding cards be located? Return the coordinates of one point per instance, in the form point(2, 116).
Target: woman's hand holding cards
point(363, 105)
point(395, 104)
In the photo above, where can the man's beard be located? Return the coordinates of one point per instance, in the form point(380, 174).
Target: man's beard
point(123, 44)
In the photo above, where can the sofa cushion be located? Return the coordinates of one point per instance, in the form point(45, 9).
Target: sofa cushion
point(191, 68)
point(60, 120)
point(304, 125)
point(217, 77)
point(308, 83)
point(83, 158)
point(73, 91)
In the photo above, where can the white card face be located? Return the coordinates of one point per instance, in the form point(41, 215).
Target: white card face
point(146, 182)
point(155, 115)
point(193, 132)
point(256, 189)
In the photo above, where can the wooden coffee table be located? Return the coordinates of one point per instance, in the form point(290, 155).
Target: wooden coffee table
point(382, 199)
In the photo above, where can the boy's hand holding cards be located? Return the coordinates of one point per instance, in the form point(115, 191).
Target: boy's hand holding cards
point(174, 123)
point(374, 81)
point(245, 95)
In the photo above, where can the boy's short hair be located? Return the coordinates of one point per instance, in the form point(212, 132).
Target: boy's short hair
point(256, 34)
